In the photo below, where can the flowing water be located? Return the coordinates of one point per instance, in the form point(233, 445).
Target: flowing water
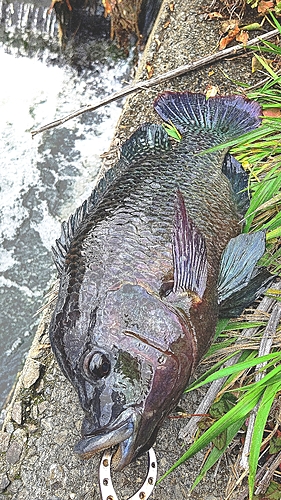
point(42, 179)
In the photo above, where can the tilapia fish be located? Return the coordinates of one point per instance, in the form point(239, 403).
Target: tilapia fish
point(147, 264)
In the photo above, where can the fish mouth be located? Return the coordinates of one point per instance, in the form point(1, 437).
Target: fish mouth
point(122, 432)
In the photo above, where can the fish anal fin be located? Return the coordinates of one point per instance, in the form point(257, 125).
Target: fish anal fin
point(189, 254)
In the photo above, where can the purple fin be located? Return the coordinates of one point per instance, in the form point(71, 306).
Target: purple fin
point(238, 179)
point(228, 116)
point(189, 252)
point(240, 280)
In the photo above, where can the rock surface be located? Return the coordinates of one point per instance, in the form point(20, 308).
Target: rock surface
point(44, 416)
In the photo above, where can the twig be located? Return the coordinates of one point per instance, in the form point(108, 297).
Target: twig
point(143, 85)
point(267, 474)
point(259, 84)
point(188, 431)
point(260, 475)
point(265, 346)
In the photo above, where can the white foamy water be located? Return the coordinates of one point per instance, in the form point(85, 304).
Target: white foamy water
point(41, 178)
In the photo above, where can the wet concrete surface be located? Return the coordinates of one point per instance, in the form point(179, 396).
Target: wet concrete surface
point(43, 420)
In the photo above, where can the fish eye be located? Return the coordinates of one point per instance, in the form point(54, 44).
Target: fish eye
point(96, 365)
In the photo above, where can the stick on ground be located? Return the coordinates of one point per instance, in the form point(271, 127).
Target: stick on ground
point(143, 85)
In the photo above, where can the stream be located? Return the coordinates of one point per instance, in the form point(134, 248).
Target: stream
point(43, 179)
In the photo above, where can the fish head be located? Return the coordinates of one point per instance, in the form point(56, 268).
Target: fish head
point(135, 363)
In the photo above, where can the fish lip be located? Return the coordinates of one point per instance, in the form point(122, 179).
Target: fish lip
point(122, 432)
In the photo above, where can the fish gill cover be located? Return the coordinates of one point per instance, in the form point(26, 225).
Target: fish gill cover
point(139, 264)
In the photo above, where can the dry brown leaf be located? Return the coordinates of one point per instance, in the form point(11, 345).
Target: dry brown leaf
point(228, 25)
point(211, 91)
point(256, 65)
point(172, 6)
point(228, 38)
point(107, 7)
point(149, 70)
point(264, 6)
point(215, 15)
point(166, 24)
point(272, 112)
point(242, 37)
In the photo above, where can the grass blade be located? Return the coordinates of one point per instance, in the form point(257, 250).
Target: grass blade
point(238, 412)
point(238, 367)
point(215, 454)
point(260, 422)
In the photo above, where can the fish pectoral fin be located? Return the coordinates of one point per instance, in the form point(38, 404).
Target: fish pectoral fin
point(238, 179)
point(241, 281)
point(233, 306)
point(189, 253)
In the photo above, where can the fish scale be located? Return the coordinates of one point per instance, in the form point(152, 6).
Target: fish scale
point(143, 202)
point(146, 266)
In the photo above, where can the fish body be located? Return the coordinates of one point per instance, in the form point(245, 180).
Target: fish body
point(141, 275)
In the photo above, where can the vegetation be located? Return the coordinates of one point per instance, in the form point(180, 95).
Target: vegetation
point(253, 382)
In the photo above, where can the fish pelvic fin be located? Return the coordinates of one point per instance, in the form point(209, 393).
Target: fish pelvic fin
point(189, 253)
point(241, 281)
point(226, 116)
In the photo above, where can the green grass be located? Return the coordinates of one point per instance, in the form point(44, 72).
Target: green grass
point(260, 154)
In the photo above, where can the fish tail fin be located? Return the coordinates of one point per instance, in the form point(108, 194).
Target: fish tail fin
point(226, 116)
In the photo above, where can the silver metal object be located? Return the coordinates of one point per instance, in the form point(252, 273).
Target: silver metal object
point(106, 486)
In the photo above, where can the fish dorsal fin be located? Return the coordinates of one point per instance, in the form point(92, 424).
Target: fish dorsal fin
point(69, 228)
point(226, 116)
point(148, 139)
point(240, 280)
point(238, 179)
point(189, 252)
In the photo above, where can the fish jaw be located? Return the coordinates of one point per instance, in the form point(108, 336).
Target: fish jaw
point(123, 433)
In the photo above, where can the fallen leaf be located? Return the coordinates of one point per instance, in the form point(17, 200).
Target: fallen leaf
point(211, 91)
point(278, 9)
point(149, 70)
point(252, 27)
point(215, 15)
point(242, 37)
point(172, 6)
point(166, 24)
point(264, 6)
point(107, 7)
point(229, 25)
point(256, 65)
point(274, 113)
point(228, 38)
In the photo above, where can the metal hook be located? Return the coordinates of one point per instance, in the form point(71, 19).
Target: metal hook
point(106, 486)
